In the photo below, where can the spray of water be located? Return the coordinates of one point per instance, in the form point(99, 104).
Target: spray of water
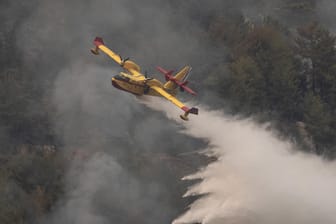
point(257, 178)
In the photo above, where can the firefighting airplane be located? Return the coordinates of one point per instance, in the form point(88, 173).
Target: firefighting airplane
point(133, 81)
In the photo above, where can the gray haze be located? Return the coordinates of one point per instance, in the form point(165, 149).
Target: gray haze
point(122, 170)
point(326, 13)
point(110, 128)
point(258, 178)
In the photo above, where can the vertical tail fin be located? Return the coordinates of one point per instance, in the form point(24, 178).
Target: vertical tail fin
point(182, 75)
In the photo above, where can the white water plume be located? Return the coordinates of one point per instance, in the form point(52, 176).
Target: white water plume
point(257, 178)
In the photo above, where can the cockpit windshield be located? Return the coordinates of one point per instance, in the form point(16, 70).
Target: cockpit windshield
point(122, 77)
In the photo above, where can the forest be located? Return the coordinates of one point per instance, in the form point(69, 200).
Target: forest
point(275, 62)
point(281, 76)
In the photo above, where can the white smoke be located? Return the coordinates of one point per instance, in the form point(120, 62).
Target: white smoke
point(257, 178)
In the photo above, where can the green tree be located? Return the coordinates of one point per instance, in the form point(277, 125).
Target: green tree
point(30, 184)
point(316, 45)
point(247, 84)
point(263, 67)
point(319, 122)
point(316, 48)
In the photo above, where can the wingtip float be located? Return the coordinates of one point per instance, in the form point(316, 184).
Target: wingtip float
point(133, 81)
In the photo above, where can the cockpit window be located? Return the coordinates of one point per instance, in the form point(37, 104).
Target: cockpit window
point(121, 78)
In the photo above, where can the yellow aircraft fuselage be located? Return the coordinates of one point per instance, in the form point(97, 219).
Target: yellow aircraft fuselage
point(137, 85)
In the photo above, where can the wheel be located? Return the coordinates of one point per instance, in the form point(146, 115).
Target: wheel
point(94, 51)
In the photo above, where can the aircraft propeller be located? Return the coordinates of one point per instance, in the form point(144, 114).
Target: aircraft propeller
point(123, 60)
point(146, 76)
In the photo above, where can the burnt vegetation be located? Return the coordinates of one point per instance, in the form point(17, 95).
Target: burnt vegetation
point(272, 70)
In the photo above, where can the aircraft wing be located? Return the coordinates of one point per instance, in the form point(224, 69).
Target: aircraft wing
point(127, 64)
point(175, 101)
point(99, 43)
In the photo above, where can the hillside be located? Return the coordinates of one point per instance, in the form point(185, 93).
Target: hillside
point(72, 146)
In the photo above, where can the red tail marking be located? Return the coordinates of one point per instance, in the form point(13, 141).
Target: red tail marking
point(98, 41)
point(169, 77)
point(188, 90)
point(163, 71)
point(167, 74)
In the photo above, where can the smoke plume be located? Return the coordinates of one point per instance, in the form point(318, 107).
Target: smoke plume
point(257, 177)
point(120, 166)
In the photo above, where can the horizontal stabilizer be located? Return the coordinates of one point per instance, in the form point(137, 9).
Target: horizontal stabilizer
point(179, 80)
